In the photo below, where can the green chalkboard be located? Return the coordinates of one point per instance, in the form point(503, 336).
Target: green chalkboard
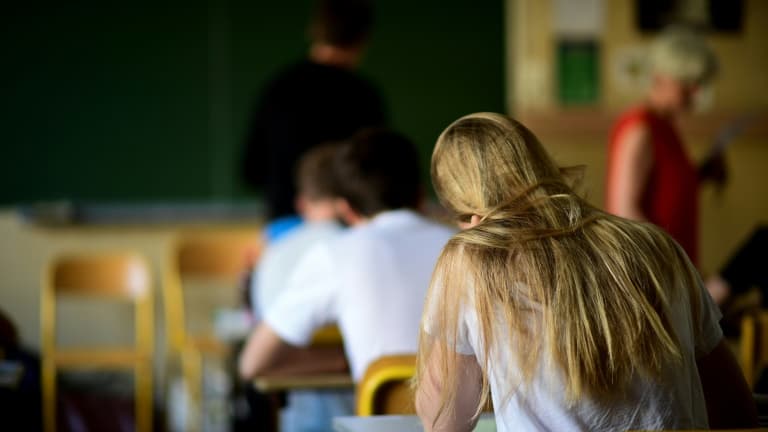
point(149, 101)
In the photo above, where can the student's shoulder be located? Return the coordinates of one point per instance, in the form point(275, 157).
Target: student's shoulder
point(638, 117)
point(311, 232)
point(317, 257)
point(408, 222)
point(636, 113)
point(350, 237)
point(302, 238)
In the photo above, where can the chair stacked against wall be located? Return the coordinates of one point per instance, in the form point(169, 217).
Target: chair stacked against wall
point(123, 276)
point(219, 256)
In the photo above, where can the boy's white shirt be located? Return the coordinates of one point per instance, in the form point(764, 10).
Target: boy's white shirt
point(370, 280)
point(281, 257)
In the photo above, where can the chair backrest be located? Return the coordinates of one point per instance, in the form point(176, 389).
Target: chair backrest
point(112, 275)
point(124, 276)
point(118, 275)
point(221, 255)
point(754, 344)
point(328, 336)
point(385, 386)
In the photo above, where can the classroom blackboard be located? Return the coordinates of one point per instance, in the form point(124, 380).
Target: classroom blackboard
point(148, 101)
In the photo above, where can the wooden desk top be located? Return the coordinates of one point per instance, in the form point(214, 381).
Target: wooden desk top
point(278, 383)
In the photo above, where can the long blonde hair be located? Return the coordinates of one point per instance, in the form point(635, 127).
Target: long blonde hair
point(550, 278)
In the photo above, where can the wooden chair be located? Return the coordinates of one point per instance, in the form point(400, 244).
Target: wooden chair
point(385, 387)
point(754, 345)
point(219, 256)
point(328, 336)
point(120, 276)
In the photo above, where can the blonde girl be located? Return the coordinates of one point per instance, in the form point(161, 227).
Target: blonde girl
point(566, 317)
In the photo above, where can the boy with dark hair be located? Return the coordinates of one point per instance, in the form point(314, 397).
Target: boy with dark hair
point(370, 280)
point(365, 168)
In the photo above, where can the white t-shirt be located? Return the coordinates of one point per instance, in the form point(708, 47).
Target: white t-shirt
point(371, 281)
point(281, 257)
point(675, 403)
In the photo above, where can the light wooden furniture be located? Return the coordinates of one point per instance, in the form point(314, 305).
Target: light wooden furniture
point(327, 336)
point(120, 276)
point(385, 388)
point(754, 345)
point(282, 383)
point(219, 256)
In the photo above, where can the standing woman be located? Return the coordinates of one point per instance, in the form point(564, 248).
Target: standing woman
point(567, 317)
point(650, 176)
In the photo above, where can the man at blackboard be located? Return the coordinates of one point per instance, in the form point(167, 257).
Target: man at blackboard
point(317, 100)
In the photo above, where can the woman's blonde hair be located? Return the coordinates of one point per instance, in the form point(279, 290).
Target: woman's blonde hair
point(550, 278)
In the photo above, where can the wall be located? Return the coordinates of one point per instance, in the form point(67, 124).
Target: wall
point(106, 101)
point(743, 58)
point(579, 135)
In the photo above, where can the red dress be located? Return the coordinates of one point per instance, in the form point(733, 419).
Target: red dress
point(670, 199)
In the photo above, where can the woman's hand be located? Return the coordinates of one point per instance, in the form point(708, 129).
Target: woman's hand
point(714, 169)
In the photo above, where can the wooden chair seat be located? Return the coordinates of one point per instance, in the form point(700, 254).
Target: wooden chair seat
point(385, 386)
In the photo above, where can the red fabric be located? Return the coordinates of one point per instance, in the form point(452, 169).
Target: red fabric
point(670, 199)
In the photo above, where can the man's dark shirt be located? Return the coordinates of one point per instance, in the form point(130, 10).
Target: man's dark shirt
point(306, 105)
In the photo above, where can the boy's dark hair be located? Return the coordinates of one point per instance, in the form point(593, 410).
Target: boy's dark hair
point(378, 170)
point(342, 23)
point(314, 173)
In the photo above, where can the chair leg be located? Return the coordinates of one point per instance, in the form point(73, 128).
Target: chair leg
point(193, 375)
point(143, 400)
point(748, 339)
point(49, 395)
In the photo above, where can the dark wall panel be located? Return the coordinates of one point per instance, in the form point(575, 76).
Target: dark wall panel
point(116, 101)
